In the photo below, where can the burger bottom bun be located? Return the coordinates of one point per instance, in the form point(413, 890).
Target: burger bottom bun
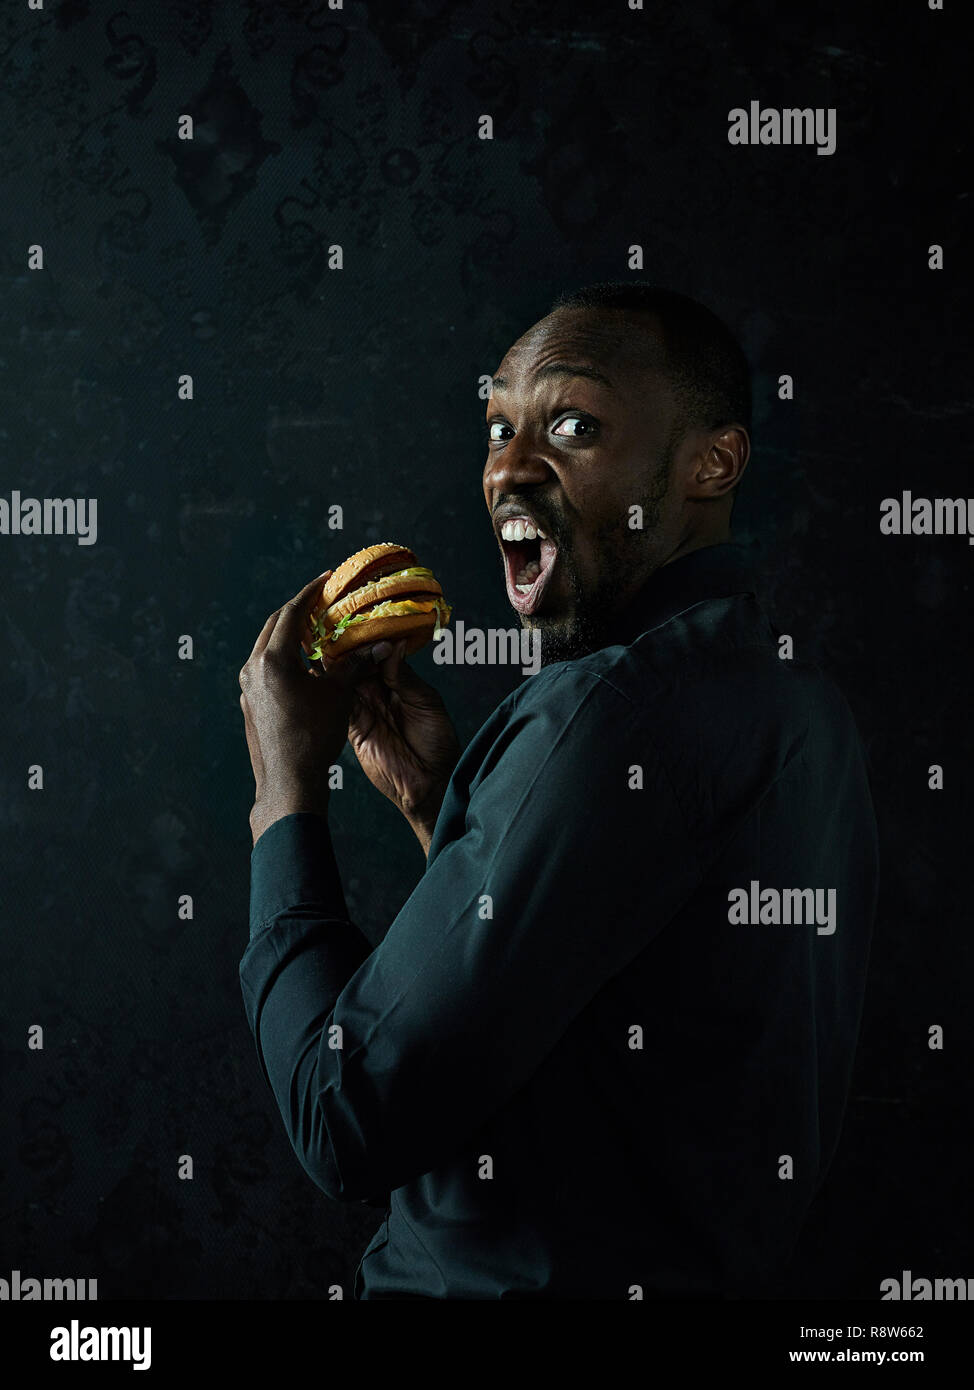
point(417, 628)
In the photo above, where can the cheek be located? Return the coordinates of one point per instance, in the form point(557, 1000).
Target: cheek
point(588, 556)
point(606, 546)
point(603, 522)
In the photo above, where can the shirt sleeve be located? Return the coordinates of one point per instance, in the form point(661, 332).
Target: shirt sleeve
point(572, 853)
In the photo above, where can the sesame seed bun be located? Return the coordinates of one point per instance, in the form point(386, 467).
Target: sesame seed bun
point(364, 565)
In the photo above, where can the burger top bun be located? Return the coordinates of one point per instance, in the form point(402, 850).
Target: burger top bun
point(359, 568)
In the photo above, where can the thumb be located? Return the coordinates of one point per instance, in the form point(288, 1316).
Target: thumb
point(392, 667)
point(353, 667)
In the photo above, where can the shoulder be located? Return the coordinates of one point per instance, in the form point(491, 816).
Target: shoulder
point(705, 646)
point(707, 680)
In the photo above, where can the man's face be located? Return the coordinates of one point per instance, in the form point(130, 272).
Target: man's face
point(580, 431)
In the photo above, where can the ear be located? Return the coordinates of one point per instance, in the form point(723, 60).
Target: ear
point(718, 464)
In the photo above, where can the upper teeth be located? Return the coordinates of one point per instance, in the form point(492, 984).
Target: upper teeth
point(521, 530)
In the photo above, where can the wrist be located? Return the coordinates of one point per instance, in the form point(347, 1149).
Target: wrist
point(423, 822)
point(423, 833)
point(424, 811)
point(287, 799)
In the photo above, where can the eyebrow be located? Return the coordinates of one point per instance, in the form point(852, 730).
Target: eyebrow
point(559, 369)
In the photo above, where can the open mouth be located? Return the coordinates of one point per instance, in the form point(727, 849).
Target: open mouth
point(529, 559)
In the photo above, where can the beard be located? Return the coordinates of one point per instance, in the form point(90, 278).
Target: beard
point(564, 639)
point(589, 625)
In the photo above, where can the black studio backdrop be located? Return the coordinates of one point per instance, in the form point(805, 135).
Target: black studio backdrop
point(315, 386)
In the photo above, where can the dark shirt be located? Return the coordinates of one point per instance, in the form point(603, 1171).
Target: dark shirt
point(573, 1068)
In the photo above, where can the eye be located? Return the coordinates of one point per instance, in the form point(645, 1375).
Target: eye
point(579, 427)
point(493, 431)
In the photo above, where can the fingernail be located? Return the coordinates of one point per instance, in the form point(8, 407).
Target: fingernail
point(381, 650)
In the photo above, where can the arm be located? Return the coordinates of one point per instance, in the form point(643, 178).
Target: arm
point(457, 1009)
point(295, 728)
point(308, 950)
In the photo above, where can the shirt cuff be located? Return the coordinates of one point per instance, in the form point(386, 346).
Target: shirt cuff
point(293, 865)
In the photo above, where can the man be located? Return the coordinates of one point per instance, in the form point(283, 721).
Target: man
point(604, 1049)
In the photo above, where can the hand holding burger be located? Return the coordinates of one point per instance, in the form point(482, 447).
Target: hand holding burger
point(398, 727)
point(396, 722)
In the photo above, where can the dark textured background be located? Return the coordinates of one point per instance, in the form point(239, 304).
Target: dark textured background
point(359, 387)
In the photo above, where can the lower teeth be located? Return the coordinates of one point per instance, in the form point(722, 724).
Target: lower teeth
point(527, 576)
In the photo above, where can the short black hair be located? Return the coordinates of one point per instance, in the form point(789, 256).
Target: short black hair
point(704, 361)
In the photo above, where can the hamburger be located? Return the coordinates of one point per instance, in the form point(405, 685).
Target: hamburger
point(379, 593)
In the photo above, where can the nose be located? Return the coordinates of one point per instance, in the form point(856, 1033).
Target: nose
point(517, 466)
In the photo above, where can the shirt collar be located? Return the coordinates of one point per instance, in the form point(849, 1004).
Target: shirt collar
point(713, 571)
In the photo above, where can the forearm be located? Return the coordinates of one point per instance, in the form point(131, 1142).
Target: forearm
point(303, 951)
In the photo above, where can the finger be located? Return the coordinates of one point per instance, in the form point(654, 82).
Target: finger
point(390, 669)
point(263, 635)
point(292, 621)
point(353, 667)
point(362, 710)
